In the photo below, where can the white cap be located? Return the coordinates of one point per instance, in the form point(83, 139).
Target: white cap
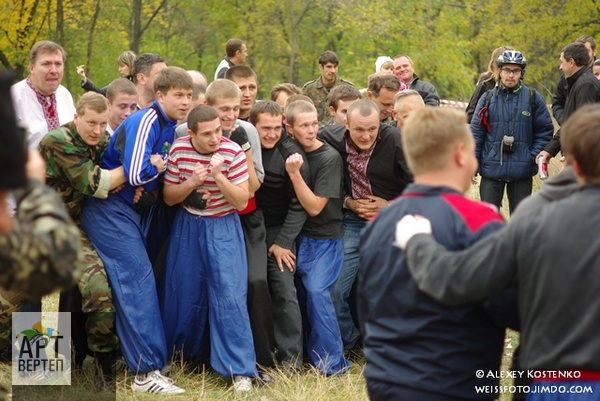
point(380, 61)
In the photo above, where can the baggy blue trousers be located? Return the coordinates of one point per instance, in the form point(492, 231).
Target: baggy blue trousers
point(113, 227)
point(205, 282)
point(318, 265)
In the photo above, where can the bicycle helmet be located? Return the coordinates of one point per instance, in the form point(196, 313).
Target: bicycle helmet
point(512, 57)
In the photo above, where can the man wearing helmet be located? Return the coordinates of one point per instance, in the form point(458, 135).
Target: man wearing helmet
point(511, 126)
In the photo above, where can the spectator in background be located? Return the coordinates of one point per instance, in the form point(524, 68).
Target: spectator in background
point(384, 64)
point(125, 62)
point(487, 80)
point(404, 68)
point(236, 53)
point(596, 68)
point(318, 89)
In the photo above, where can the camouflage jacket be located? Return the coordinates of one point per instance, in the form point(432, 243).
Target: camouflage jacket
point(318, 93)
point(73, 167)
point(43, 251)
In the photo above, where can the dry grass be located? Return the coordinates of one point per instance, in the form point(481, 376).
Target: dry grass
point(307, 385)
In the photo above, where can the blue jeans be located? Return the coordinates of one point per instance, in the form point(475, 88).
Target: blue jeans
point(353, 226)
point(492, 191)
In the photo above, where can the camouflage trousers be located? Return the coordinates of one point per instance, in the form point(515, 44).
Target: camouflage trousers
point(97, 304)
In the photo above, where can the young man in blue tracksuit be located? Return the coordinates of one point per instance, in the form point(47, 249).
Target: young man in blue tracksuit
point(411, 340)
point(141, 145)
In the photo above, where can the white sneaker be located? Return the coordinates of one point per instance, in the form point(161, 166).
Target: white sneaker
point(242, 384)
point(155, 383)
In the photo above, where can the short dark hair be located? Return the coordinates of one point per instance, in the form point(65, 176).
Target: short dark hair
point(380, 80)
point(143, 64)
point(578, 52)
point(201, 114)
point(172, 77)
point(328, 57)
point(45, 46)
point(233, 46)
point(120, 85)
point(265, 107)
point(343, 92)
point(240, 71)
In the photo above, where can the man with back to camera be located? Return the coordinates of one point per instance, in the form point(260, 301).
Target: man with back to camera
point(555, 271)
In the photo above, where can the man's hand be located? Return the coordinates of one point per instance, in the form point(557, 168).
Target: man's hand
point(367, 208)
point(547, 156)
point(137, 194)
point(293, 163)
point(408, 227)
point(35, 168)
point(216, 163)
point(198, 176)
point(117, 189)
point(158, 162)
point(282, 256)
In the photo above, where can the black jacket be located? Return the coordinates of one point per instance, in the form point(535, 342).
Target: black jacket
point(582, 88)
point(387, 170)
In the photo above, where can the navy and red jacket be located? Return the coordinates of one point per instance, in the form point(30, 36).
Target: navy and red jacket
point(411, 340)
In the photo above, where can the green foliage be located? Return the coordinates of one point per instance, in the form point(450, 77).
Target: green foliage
point(450, 42)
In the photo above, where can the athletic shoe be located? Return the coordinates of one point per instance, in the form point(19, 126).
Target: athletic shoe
point(155, 383)
point(242, 384)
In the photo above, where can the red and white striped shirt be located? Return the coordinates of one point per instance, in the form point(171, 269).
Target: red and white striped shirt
point(182, 160)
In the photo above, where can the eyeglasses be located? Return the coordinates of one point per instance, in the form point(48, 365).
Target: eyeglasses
point(508, 71)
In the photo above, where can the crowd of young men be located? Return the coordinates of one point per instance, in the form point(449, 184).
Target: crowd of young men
point(239, 222)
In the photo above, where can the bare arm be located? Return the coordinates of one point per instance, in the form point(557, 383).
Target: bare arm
point(253, 182)
point(236, 195)
point(312, 203)
point(174, 194)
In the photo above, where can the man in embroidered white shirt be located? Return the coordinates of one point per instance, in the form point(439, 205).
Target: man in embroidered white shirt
point(41, 102)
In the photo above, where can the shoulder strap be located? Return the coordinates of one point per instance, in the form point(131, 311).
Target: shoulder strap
point(532, 102)
point(488, 98)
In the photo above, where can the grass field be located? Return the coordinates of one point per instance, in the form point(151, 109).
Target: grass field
point(307, 385)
